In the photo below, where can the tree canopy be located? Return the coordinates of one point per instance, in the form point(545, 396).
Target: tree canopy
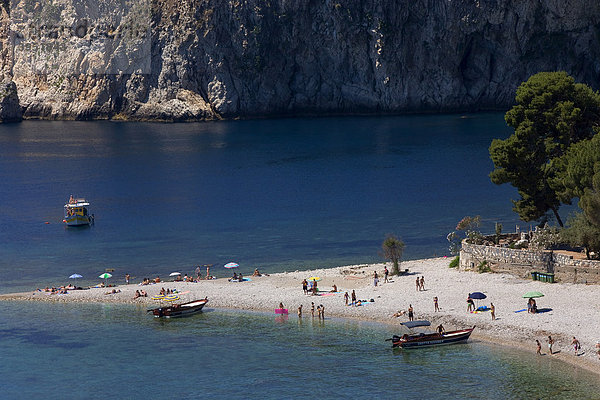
point(552, 113)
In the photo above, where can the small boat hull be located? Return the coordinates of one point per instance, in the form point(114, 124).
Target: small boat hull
point(78, 220)
point(431, 339)
point(179, 310)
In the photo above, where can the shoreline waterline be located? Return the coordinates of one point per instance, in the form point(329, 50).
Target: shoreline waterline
point(518, 330)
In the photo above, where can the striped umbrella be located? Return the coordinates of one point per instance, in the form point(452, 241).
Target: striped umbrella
point(231, 265)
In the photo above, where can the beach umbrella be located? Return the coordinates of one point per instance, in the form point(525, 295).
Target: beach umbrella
point(172, 297)
point(159, 297)
point(75, 276)
point(231, 265)
point(478, 296)
point(314, 278)
point(174, 273)
point(532, 295)
point(105, 276)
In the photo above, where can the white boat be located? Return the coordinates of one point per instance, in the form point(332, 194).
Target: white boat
point(77, 214)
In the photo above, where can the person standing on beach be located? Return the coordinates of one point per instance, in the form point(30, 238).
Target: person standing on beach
point(127, 279)
point(550, 343)
point(385, 274)
point(493, 311)
point(410, 313)
point(323, 312)
point(198, 272)
point(539, 347)
point(207, 271)
point(312, 309)
point(435, 304)
point(470, 304)
point(346, 297)
point(353, 298)
point(305, 286)
point(422, 283)
point(576, 345)
point(418, 284)
point(375, 278)
point(300, 311)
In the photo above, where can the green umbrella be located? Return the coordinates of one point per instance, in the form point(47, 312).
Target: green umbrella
point(531, 295)
point(105, 276)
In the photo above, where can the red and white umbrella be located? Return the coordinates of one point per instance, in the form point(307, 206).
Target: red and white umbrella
point(231, 265)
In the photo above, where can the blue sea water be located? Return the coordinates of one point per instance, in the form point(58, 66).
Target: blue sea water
point(91, 351)
point(275, 194)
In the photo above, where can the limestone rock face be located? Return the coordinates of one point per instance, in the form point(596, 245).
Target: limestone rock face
point(209, 59)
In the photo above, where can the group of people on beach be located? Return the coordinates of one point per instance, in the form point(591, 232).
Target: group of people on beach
point(420, 284)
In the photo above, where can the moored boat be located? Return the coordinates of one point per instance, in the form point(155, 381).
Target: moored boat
point(429, 339)
point(77, 214)
point(179, 310)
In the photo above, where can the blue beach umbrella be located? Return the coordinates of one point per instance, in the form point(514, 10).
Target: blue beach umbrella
point(75, 276)
point(478, 296)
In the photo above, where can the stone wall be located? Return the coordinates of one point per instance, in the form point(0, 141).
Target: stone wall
point(522, 262)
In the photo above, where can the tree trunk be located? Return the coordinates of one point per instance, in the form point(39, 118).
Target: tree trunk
point(395, 270)
point(557, 217)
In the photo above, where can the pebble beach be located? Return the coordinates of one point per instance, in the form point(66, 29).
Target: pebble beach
point(572, 309)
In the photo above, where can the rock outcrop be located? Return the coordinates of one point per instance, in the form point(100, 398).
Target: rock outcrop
point(210, 59)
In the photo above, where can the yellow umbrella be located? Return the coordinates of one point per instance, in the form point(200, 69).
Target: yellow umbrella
point(159, 297)
point(172, 298)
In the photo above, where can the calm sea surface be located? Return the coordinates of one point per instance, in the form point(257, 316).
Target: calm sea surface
point(276, 194)
point(78, 351)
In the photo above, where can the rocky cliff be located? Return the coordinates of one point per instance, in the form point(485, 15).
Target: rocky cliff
point(209, 59)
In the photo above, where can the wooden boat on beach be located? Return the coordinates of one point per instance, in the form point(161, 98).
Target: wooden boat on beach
point(179, 310)
point(429, 339)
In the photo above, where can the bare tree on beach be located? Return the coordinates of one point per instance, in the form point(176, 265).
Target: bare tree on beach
point(392, 250)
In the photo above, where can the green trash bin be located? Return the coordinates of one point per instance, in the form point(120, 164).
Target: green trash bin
point(541, 277)
point(534, 276)
point(550, 278)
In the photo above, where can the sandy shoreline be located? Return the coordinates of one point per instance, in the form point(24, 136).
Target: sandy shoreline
point(575, 308)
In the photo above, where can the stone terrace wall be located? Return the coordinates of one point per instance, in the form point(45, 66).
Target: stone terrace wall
point(522, 262)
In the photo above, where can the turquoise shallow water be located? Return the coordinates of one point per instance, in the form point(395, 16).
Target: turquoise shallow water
point(105, 351)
